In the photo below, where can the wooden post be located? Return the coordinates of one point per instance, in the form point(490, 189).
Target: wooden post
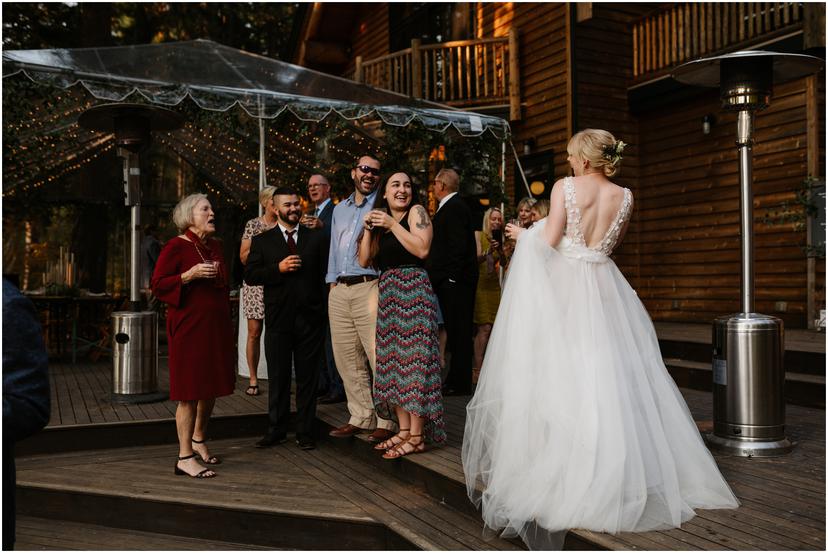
point(812, 140)
point(635, 50)
point(514, 76)
point(358, 69)
point(813, 15)
point(416, 69)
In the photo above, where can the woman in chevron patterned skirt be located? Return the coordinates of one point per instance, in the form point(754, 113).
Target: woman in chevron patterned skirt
point(396, 240)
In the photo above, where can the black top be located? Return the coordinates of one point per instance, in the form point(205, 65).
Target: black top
point(393, 254)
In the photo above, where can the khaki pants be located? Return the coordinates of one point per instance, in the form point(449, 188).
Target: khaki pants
point(353, 316)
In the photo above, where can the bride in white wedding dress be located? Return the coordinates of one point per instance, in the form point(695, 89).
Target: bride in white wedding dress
point(575, 422)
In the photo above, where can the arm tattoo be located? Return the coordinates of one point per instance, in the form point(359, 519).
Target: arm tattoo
point(424, 222)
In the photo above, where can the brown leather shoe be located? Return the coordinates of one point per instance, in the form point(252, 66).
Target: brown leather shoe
point(379, 435)
point(345, 431)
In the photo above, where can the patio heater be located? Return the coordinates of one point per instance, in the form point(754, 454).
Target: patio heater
point(135, 332)
point(748, 347)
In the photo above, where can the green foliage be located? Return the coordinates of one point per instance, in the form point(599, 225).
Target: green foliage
point(477, 159)
point(797, 213)
point(262, 28)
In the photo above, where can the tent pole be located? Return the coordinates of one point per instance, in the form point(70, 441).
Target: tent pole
point(502, 195)
point(262, 173)
point(520, 169)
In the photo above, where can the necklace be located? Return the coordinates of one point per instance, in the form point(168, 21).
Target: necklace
point(268, 225)
point(195, 240)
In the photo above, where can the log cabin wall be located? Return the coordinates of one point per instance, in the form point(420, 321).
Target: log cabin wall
point(543, 46)
point(681, 252)
point(371, 38)
point(688, 210)
point(602, 58)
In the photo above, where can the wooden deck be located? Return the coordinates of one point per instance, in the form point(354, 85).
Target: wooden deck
point(80, 395)
point(783, 499)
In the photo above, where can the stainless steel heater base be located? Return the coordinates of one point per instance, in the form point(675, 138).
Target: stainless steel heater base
point(747, 448)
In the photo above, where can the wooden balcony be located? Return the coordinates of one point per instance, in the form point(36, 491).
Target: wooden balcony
point(698, 29)
point(479, 73)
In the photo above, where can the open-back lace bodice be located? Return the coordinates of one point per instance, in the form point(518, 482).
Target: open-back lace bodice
point(573, 220)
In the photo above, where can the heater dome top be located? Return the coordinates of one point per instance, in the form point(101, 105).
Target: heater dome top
point(116, 117)
point(786, 67)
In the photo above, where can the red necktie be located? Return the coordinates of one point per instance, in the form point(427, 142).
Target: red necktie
point(291, 243)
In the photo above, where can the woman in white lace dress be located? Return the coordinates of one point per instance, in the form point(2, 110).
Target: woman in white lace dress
point(575, 422)
point(252, 297)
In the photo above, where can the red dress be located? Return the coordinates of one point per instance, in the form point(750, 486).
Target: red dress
point(199, 330)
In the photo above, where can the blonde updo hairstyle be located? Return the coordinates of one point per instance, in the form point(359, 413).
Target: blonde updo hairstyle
point(591, 145)
point(182, 215)
point(265, 195)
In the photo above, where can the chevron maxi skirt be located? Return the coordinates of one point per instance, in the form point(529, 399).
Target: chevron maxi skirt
point(408, 357)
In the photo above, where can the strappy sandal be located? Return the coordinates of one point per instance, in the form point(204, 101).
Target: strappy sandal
point(255, 391)
point(212, 460)
point(390, 443)
point(400, 451)
point(202, 474)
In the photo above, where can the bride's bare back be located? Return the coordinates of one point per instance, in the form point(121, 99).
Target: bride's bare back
point(591, 209)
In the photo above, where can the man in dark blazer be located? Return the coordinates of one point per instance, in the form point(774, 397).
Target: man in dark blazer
point(25, 390)
point(290, 261)
point(453, 272)
point(330, 389)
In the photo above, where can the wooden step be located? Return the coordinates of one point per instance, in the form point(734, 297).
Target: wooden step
point(43, 534)
point(279, 497)
point(800, 388)
point(260, 497)
point(804, 349)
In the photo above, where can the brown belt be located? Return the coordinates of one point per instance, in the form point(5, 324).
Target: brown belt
point(351, 280)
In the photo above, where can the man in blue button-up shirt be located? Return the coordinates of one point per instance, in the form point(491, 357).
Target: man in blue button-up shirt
point(352, 305)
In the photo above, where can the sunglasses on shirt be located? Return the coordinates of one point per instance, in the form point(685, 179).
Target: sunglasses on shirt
point(367, 169)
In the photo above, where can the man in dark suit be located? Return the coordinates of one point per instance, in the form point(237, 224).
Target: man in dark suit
point(290, 261)
point(453, 272)
point(25, 390)
point(330, 389)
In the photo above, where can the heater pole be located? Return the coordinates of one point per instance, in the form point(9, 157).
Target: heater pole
point(745, 142)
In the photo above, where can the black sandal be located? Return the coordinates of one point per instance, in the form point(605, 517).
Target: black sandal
point(202, 474)
point(212, 460)
point(254, 388)
point(390, 443)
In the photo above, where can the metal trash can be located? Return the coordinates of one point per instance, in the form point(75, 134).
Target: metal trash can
point(135, 357)
point(748, 385)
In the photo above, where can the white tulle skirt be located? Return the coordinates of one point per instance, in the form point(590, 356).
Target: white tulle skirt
point(575, 422)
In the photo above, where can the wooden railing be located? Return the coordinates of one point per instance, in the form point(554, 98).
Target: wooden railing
point(692, 30)
point(467, 73)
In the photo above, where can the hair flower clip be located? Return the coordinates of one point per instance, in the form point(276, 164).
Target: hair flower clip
point(614, 153)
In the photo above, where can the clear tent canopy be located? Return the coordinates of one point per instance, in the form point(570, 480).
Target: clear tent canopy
point(228, 97)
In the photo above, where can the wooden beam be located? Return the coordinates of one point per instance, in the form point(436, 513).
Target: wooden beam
point(310, 31)
point(813, 25)
point(416, 69)
point(358, 69)
point(812, 140)
point(583, 11)
point(514, 72)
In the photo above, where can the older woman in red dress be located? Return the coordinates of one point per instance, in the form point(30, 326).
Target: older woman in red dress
point(191, 278)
